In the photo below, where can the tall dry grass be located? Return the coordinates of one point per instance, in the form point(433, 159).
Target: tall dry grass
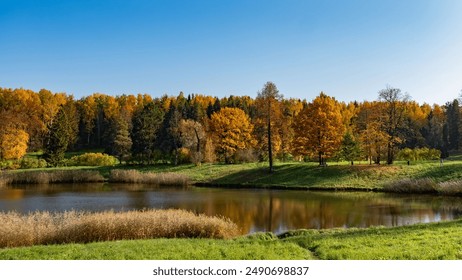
point(83, 227)
point(136, 177)
point(57, 176)
point(425, 185)
point(453, 187)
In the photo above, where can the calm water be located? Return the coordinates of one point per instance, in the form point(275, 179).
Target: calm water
point(252, 210)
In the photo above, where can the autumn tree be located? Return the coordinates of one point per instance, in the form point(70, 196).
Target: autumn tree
point(269, 120)
point(319, 129)
point(368, 127)
point(231, 131)
point(13, 138)
point(193, 137)
point(394, 111)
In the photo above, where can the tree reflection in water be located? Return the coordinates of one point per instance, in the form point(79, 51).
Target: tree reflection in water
point(252, 210)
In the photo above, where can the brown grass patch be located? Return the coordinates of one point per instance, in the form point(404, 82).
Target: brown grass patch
point(41, 228)
point(136, 177)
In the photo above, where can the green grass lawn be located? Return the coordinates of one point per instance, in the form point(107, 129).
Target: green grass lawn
point(435, 241)
point(164, 249)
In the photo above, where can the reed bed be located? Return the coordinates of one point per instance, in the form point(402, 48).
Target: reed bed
point(425, 185)
point(42, 228)
point(136, 177)
point(453, 187)
point(57, 176)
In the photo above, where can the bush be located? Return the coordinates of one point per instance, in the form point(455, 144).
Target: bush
point(246, 156)
point(27, 163)
point(418, 154)
point(93, 159)
point(8, 165)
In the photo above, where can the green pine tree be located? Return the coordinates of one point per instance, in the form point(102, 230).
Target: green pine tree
point(350, 148)
point(58, 138)
point(122, 143)
point(146, 123)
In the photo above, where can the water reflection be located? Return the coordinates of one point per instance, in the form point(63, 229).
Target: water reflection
point(252, 210)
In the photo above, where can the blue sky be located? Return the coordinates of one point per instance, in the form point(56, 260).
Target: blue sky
point(348, 49)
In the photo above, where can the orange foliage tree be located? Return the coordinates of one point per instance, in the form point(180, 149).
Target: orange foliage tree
point(231, 130)
point(319, 129)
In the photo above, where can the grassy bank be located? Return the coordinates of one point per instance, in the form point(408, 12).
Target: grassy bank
point(432, 241)
point(421, 242)
point(424, 177)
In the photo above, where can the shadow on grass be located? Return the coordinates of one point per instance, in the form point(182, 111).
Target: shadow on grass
point(294, 175)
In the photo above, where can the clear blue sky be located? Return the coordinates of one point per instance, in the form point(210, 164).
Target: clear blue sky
point(348, 49)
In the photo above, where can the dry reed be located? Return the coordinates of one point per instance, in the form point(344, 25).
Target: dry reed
point(453, 187)
point(57, 176)
point(136, 177)
point(425, 185)
point(41, 228)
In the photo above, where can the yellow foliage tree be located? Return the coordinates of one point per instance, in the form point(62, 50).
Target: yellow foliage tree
point(231, 131)
point(13, 143)
point(319, 128)
point(369, 122)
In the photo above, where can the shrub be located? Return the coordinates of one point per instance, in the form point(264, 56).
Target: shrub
point(8, 165)
point(418, 154)
point(27, 163)
point(246, 156)
point(93, 159)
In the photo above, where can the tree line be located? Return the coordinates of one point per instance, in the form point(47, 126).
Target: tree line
point(140, 129)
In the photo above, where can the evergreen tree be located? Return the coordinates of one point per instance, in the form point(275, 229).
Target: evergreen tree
point(350, 148)
point(146, 123)
point(453, 121)
point(122, 143)
point(59, 137)
point(169, 140)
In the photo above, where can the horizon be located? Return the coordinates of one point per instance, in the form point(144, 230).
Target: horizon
point(348, 50)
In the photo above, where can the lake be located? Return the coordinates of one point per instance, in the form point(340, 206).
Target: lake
point(253, 210)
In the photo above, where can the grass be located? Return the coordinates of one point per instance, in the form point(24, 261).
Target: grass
point(85, 227)
point(434, 241)
point(163, 249)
